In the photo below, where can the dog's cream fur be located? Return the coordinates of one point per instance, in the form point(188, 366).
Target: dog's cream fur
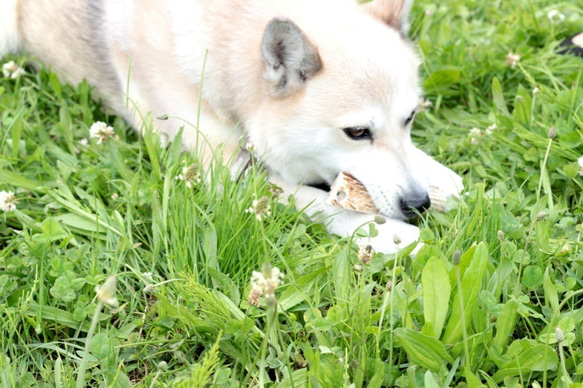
point(287, 75)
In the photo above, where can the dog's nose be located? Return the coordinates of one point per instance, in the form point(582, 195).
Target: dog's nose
point(413, 203)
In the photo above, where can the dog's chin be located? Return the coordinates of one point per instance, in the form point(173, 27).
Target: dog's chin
point(396, 216)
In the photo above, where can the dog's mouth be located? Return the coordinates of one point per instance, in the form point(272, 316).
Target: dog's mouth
point(350, 193)
point(321, 186)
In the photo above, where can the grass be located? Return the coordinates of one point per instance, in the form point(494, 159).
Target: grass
point(494, 298)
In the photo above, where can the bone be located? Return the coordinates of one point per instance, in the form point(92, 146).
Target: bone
point(348, 193)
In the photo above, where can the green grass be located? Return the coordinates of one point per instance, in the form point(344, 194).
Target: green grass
point(484, 303)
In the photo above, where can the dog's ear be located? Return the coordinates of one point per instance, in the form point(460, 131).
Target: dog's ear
point(290, 59)
point(393, 12)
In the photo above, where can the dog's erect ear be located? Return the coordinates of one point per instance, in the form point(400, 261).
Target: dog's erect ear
point(290, 59)
point(393, 12)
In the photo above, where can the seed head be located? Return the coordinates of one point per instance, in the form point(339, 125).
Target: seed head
point(106, 293)
point(456, 258)
point(396, 239)
point(190, 175)
point(379, 220)
point(254, 297)
point(512, 60)
point(261, 208)
point(552, 132)
point(555, 16)
point(365, 254)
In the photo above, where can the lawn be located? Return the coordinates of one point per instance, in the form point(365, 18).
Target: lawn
point(123, 264)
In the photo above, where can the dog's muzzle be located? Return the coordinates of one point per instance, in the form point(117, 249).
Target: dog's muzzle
point(415, 203)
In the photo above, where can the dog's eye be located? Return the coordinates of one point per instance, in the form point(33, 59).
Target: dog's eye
point(410, 118)
point(358, 133)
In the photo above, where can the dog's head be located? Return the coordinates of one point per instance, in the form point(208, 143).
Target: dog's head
point(343, 93)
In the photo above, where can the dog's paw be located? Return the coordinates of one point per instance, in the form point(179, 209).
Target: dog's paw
point(441, 181)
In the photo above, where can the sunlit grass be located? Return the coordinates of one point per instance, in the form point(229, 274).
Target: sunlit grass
point(493, 298)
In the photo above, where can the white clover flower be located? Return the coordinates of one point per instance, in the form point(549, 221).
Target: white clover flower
point(81, 144)
point(260, 208)
point(425, 105)
point(190, 175)
point(580, 161)
point(490, 130)
point(512, 60)
point(265, 283)
point(7, 201)
point(555, 16)
point(106, 293)
point(250, 147)
point(148, 276)
point(101, 131)
point(475, 135)
point(12, 70)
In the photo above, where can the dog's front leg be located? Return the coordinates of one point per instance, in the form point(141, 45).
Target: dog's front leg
point(437, 175)
point(344, 222)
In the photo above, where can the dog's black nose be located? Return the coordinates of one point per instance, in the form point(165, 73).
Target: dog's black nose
point(413, 203)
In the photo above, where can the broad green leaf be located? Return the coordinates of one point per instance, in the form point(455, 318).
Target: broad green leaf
point(471, 379)
point(535, 358)
point(436, 293)
point(342, 273)
point(53, 230)
point(18, 180)
point(471, 284)
point(102, 346)
point(379, 374)
point(498, 97)
point(423, 350)
point(55, 84)
point(505, 324)
point(551, 295)
point(441, 80)
point(16, 130)
point(57, 315)
point(532, 276)
point(115, 378)
point(297, 292)
point(522, 106)
point(429, 380)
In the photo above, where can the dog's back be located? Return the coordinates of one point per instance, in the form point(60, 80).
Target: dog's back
point(65, 34)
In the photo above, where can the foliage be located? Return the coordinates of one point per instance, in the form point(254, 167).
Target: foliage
point(492, 298)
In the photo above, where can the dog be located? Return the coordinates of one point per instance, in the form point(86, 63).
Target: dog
point(317, 86)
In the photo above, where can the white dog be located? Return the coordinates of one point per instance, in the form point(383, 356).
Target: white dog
point(318, 86)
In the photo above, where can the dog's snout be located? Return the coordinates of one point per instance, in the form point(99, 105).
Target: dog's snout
point(414, 203)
